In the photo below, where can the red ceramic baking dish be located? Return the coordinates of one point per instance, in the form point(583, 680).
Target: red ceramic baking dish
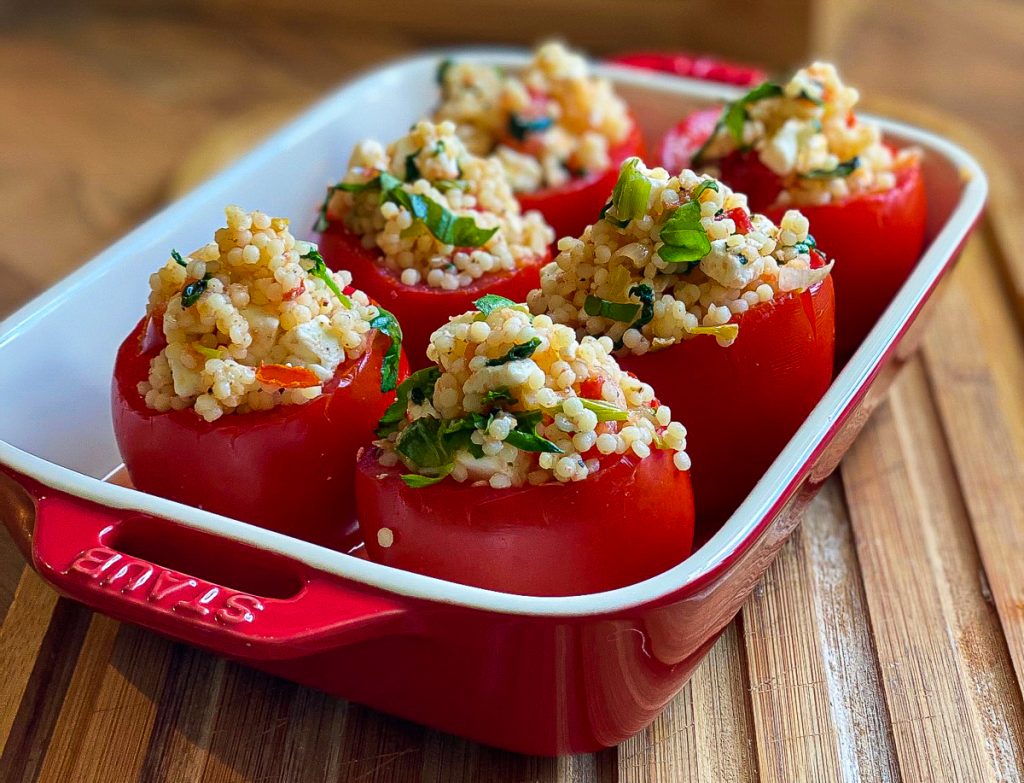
point(532, 674)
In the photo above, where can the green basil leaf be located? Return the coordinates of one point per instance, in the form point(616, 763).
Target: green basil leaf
point(684, 237)
point(387, 323)
point(442, 69)
point(459, 231)
point(416, 481)
point(734, 115)
point(842, 170)
point(417, 388)
point(605, 410)
point(190, 294)
point(420, 444)
point(487, 303)
point(499, 395)
point(616, 311)
point(525, 438)
point(708, 184)
point(516, 352)
point(519, 128)
point(178, 259)
point(319, 269)
point(412, 171)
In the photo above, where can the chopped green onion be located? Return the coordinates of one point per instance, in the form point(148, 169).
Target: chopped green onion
point(209, 353)
point(516, 352)
point(708, 184)
point(605, 410)
point(616, 311)
point(178, 259)
point(319, 269)
point(632, 189)
point(387, 323)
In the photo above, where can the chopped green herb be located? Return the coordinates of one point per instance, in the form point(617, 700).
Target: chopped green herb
point(442, 69)
point(387, 323)
point(190, 294)
point(632, 189)
point(616, 311)
point(646, 296)
point(416, 481)
point(520, 128)
point(613, 220)
point(842, 170)
point(516, 352)
point(209, 353)
point(735, 114)
point(178, 259)
point(525, 438)
point(499, 395)
point(412, 171)
point(605, 410)
point(487, 303)
point(418, 388)
point(458, 231)
point(319, 269)
point(420, 444)
point(684, 237)
point(708, 184)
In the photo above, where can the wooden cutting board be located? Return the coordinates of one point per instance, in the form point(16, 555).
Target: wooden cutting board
point(885, 644)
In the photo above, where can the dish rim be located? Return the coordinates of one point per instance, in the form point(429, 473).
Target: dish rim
point(740, 530)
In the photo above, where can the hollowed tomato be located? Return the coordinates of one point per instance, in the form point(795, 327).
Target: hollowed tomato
point(289, 469)
point(741, 404)
point(420, 309)
point(629, 521)
point(875, 238)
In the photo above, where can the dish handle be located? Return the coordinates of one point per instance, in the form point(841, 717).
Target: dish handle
point(206, 590)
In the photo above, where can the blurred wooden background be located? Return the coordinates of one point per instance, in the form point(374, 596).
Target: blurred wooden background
point(887, 643)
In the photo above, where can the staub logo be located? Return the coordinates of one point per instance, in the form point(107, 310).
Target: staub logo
point(168, 590)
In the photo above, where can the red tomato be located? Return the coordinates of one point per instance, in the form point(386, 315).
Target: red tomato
point(571, 207)
point(742, 404)
point(289, 469)
point(629, 521)
point(420, 309)
point(694, 67)
point(875, 238)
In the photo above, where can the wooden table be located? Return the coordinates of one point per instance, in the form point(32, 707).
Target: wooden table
point(885, 644)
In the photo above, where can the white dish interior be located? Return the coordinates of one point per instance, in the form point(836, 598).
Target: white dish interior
point(57, 428)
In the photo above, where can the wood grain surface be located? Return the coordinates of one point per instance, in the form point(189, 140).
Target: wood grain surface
point(886, 643)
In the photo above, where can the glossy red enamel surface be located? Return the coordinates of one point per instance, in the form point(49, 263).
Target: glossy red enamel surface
point(876, 239)
point(419, 308)
point(572, 207)
point(741, 404)
point(289, 469)
point(629, 521)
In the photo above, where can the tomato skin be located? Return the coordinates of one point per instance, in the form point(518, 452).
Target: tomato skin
point(571, 207)
point(290, 469)
point(764, 385)
point(420, 309)
point(875, 238)
point(629, 521)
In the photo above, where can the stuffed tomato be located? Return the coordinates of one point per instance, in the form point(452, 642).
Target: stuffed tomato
point(525, 460)
point(253, 380)
point(559, 132)
point(426, 228)
point(730, 317)
point(801, 145)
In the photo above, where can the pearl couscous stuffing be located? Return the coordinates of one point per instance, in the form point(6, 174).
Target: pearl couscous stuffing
point(252, 320)
point(672, 258)
point(806, 132)
point(439, 215)
point(516, 399)
point(545, 125)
